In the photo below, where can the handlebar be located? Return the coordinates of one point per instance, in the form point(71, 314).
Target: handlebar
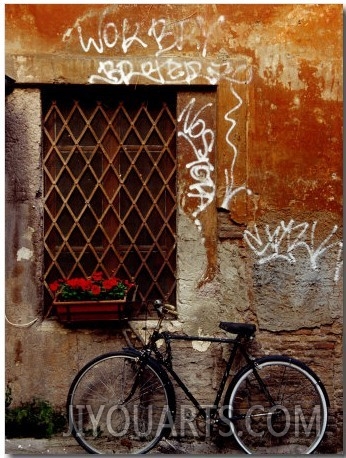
point(163, 309)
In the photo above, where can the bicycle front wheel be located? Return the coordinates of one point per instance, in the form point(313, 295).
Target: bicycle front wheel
point(277, 406)
point(118, 405)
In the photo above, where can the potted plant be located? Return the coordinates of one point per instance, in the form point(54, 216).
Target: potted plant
point(92, 299)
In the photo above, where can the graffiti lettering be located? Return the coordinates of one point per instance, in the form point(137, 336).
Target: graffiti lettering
point(284, 240)
point(231, 191)
point(195, 130)
point(159, 31)
point(166, 70)
point(166, 35)
point(108, 36)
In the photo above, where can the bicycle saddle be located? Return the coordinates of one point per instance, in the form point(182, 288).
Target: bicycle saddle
point(238, 328)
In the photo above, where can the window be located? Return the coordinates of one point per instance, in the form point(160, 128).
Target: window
point(110, 185)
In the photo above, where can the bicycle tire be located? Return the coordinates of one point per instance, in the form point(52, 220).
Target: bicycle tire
point(100, 420)
point(291, 419)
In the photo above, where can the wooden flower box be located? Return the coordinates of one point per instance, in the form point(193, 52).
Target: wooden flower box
point(95, 311)
point(83, 311)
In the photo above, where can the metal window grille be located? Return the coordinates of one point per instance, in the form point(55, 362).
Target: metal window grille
point(110, 186)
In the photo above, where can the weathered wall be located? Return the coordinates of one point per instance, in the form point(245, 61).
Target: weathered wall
point(265, 224)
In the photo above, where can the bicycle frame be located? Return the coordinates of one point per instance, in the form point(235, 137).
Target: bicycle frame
point(167, 362)
point(272, 403)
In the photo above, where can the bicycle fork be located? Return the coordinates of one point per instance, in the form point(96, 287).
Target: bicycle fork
point(225, 420)
point(136, 382)
point(252, 362)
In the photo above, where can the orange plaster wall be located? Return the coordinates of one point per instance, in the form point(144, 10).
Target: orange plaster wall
point(288, 130)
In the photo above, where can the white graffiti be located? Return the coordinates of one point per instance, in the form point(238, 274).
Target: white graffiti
point(168, 71)
point(283, 242)
point(163, 34)
point(109, 36)
point(164, 67)
point(195, 132)
point(231, 190)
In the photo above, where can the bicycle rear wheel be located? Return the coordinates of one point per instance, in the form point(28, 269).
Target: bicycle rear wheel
point(116, 405)
point(286, 413)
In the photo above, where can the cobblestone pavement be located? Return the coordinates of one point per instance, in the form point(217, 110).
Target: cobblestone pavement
point(53, 446)
point(68, 446)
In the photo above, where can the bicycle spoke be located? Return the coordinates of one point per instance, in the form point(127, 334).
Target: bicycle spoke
point(295, 423)
point(102, 422)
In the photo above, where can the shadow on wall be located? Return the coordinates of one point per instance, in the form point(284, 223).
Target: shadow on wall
point(9, 84)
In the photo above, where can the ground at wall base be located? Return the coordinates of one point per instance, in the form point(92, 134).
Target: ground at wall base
point(68, 446)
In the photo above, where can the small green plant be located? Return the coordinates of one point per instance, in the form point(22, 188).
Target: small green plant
point(36, 418)
point(8, 397)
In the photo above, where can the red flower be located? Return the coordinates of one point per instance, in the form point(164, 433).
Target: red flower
point(54, 286)
point(97, 276)
point(110, 283)
point(95, 290)
point(79, 283)
point(73, 282)
point(86, 285)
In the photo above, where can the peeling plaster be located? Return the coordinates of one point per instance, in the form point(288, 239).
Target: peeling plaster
point(200, 346)
point(29, 233)
point(24, 254)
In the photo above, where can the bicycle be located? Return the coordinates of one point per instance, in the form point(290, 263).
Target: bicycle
point(124, 402)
